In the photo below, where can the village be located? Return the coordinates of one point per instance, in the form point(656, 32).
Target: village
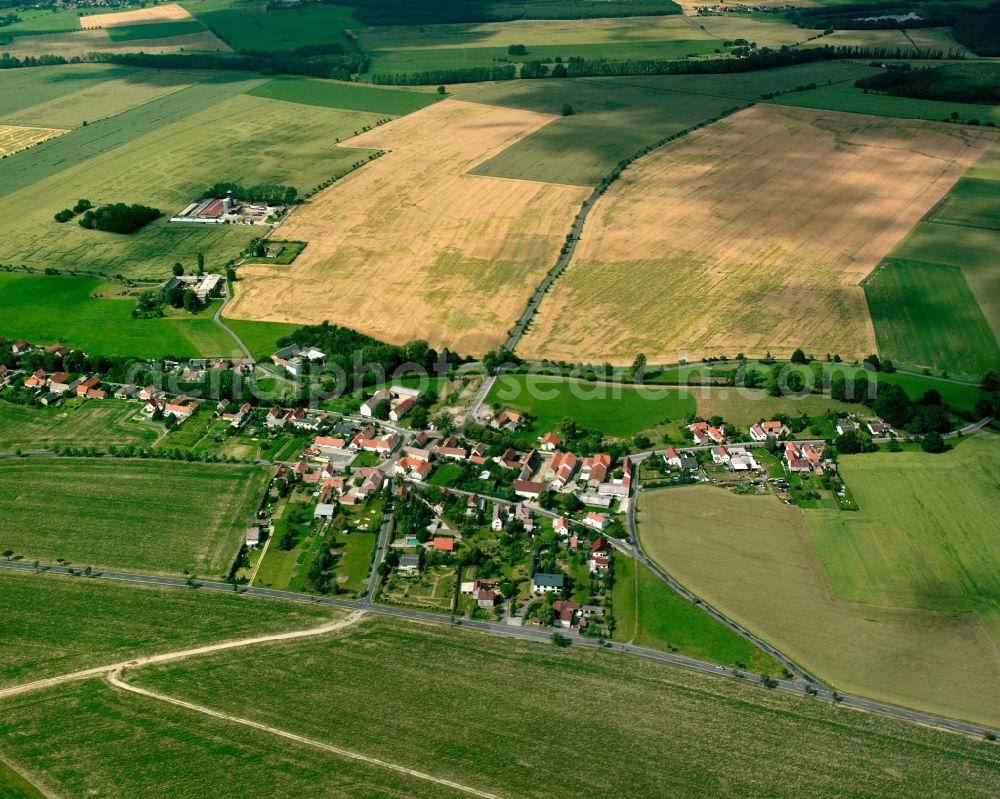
point(365, 504)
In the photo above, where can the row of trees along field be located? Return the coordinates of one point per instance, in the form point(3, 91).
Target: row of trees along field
point(577, 67)
point(427, 12)
point(275, 193)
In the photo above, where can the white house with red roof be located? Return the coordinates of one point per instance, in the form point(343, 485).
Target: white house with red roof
point(596, 520)
point(561, 468)
point(549, 442)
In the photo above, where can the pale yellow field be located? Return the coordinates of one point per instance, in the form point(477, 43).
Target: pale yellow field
point(409, 246)
point(528, 32)
point(752, 558)
point(79, 43)
point(164, 13)
point(764, 33)
point(14, 137)
point(749, 236)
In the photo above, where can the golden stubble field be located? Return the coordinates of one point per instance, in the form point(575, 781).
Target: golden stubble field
point(16, 137)
point(750, 235)
point(170, 12)
point(409, 246)
point(753, 559)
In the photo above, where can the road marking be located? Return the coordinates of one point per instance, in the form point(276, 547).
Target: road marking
point(113, 679)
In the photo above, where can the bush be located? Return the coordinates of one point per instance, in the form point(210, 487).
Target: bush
point(567, 110)
point(933, 443)
point(64, 215)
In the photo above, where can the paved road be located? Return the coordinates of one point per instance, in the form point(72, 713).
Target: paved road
point(477, 401)
point(561, 264)
point(540, 634)
point(217, 318)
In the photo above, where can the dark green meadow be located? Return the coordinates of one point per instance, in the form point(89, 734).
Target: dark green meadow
point(925, 315)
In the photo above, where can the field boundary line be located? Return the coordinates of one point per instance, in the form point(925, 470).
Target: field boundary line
point(113, 678)
point(167, 657)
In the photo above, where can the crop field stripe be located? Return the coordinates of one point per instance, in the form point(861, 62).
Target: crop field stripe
point(56, 155)
point(420, 775)
point(348, 97)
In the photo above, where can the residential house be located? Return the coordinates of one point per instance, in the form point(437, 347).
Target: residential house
point(567, 613)
point(720, 454)
point(528, 489)
point(37, 380)
point(508, 420)
point(550, 442)
point(400, 410)
point(473, 505)
point(562, 526)
point(368, 407)
point(596, 520)
point(561, 469)
point(543, 583)
point(409, 565)
point(510, 459)
point(87, 385)
point(150, 392)
point(598, 565)
point(324, 510)
point(487, 599)
point(880, 429)
point(181, 408)
point(443, 543)
point(275, 417)
point(21, 347)
point(525, 516)
point(705, 434)
point(847, 427)
point(499, 517)
point(774, 429)
point(594, 471)
point(127, 392)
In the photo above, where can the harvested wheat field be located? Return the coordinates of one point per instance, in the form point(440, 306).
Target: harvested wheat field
point(171, 12)
point(749, 236)
point(409, 246)
point(80, 43)
point(15, 137)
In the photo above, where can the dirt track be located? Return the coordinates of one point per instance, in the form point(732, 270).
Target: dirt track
point(166, 657)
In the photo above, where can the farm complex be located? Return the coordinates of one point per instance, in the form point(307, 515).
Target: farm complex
point(530, 398)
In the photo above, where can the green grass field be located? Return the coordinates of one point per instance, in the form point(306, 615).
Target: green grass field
point(112, 622)
point(921, 538)
point(252, 26)
point(925, 315)
point(14, 786)
point(75, 423)
point(844, 97)
point(104, 326)
point(655, 616)
point(213, 130)
point(616, 117)
point(963, 230)
point(427, 59)
point(89, 739)
point(152, 516)
point(154, 30)
point(753, 558)
point(614, 410)
point(260, 337)
point(663, 732)
point(40, 21)
point(349, 97)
